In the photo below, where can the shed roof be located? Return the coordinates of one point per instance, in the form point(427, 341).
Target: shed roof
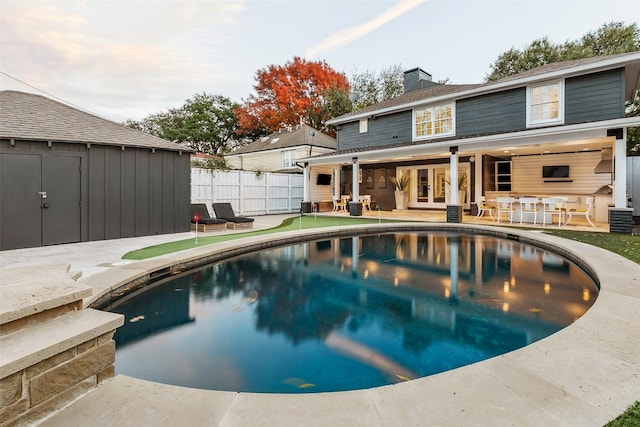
point(29, 116)
point(299, 136)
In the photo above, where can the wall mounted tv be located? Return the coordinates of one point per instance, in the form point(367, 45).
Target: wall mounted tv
point(323, 179)
point(551, 172)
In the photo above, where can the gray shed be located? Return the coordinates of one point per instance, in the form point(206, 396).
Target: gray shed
point(70, 176)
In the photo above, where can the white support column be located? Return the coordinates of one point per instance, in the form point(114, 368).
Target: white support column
point(336, 182)
point(355, 192)
point(620, 177)
point(453, 178)
point(454, 207)
point(306, 186)
point(477, 188)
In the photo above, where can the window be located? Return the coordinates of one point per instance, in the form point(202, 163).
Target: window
point(432, 121)
point(545, 104)
point(288, 156)
point(364, 125)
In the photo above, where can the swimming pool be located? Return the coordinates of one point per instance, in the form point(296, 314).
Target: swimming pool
point(348, 313)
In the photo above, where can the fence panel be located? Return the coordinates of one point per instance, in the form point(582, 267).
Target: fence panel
point(249, 193)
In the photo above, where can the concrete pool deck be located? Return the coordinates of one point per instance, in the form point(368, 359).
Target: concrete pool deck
point(586, 374)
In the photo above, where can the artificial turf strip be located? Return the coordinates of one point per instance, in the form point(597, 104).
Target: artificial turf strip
point(289, 224)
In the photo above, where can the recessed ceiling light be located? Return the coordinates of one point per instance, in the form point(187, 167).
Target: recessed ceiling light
point(505, 151)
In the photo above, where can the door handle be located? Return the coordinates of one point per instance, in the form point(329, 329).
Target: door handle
point(43, 194)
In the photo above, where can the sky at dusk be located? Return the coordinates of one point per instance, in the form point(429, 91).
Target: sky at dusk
point(123, 59)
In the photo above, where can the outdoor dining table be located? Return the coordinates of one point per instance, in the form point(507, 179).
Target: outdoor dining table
point(563, 202)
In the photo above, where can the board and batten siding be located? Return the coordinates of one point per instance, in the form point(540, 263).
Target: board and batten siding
point(526, 174)
point(598, 96)
point(497, 112)
point(382, 131)
point(135, 192)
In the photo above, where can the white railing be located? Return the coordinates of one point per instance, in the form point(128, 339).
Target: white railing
point(248, 192)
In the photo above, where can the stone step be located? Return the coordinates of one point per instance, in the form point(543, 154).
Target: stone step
point(28, 346)
point(32, 295)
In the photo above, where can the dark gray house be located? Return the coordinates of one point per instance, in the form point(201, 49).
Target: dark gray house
point(69, 176)
point(557, 130)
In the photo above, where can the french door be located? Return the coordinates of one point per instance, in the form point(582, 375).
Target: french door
point(430, 185)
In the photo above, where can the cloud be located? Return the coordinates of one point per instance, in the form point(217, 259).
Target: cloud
point(130, 56)
point(350, 35)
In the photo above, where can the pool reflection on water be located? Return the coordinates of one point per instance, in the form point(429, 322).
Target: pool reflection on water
point(348, 313)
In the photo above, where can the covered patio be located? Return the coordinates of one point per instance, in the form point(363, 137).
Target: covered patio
point(576, 223)
point(583, 164)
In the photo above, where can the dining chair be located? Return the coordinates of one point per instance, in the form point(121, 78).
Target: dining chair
point(582, 211)
point(483, 207)
point(553, 206)
point(528, 205)
point(505, 205)
point(366, 202)
point(339, 205)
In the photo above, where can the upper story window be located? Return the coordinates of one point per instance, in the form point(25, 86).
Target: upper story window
point(364, 125)
point(288, 158)
point(433, 121)
point(545, 103)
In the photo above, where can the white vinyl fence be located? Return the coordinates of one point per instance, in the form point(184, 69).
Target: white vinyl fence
point(249, 194)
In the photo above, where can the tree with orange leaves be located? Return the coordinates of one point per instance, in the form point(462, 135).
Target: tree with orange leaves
point(300, 90)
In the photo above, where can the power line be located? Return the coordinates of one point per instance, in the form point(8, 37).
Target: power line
point(49, 94)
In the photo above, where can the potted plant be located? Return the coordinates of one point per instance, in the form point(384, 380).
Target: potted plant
point(462, 187)
point(401, 184)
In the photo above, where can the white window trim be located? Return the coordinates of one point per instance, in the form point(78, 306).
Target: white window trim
point(434, 136)
point(560, 119)
point(364, 125)
point(288, 155)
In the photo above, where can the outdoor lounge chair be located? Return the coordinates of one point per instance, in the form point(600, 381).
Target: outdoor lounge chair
point(225, 211)
point(205, 222)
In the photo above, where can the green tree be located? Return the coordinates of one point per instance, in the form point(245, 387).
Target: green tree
point(609, 39)
point(205, 122)
point(372, 88)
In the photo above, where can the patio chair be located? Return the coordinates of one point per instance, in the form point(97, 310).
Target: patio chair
point(483, 207)
point(505, 205)
point(366, 202)
point(553, 206)
point(339, 205)
point(225, 211)
point(582, 211)
point(528, 205)
point(205, 223)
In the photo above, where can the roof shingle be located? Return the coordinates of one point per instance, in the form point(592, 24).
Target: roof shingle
point(34, 117)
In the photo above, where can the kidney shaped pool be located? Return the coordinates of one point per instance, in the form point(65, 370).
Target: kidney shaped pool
point(348, 313)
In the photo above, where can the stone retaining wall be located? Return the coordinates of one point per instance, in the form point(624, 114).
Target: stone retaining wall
point(53, 351)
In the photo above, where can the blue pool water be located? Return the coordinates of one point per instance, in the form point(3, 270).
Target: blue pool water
point(348, 313)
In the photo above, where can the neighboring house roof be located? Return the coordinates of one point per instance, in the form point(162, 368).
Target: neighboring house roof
point(301, 135)
point(447, 92)
point(26, 116)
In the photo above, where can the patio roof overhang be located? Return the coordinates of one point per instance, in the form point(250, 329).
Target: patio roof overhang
point(578, 137)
